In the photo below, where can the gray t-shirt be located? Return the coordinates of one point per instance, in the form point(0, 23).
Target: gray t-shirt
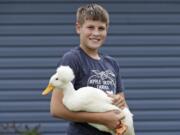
point(103, 74)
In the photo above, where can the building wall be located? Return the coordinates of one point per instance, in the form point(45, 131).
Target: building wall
point(144, 35)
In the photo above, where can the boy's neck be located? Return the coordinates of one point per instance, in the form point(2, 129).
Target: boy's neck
point(93, 53)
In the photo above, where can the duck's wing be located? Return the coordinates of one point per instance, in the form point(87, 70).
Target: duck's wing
point(91, 100)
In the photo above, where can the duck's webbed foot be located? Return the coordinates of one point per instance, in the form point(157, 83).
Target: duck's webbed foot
point(121, 129)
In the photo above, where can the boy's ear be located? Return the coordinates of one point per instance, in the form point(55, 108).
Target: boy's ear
point(77, 28)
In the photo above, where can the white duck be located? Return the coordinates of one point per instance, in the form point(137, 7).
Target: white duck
point(87, 99)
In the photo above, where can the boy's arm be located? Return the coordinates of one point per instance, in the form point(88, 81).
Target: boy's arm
point(57, 108)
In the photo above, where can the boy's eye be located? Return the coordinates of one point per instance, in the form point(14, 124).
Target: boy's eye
point(101, 28)
point(90, 27)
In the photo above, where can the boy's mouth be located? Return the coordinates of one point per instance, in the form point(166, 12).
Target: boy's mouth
point(95, 39)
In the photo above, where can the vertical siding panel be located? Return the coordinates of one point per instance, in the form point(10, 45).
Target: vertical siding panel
point(143, 36)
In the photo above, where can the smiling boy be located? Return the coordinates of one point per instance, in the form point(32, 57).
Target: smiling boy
point(91, 68)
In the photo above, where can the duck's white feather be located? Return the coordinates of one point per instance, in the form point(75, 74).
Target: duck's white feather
point(87, 99)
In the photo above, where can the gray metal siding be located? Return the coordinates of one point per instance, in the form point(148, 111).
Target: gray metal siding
point(144, 36)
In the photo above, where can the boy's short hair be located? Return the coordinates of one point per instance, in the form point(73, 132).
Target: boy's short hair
point(93, 12)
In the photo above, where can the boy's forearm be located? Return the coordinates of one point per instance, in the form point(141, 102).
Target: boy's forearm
point(79, 116)
point(108, 119)
point(58, 110)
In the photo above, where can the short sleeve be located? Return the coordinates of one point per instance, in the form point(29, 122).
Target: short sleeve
point(70, 59)
point(119, 83)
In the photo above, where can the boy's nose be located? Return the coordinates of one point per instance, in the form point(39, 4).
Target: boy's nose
point(95, 32)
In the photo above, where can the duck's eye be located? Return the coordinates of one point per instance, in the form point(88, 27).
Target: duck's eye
point(56, 78)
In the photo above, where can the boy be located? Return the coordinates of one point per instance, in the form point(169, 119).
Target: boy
point(91, 69)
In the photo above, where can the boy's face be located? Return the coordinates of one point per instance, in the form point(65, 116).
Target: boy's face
point(92, 34)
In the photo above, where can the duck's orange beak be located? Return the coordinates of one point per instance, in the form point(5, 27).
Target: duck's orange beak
point(48, 89)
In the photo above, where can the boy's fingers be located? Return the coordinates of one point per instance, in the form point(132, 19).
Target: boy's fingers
point(119, 101)
point(118, 98)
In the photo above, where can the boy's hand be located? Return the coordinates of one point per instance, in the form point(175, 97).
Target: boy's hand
point(112, 119)
point(118, 100)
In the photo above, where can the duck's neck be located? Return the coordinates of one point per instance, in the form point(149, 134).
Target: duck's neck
point(69, 89)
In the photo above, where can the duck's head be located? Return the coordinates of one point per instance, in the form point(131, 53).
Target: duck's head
point(60, 79)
